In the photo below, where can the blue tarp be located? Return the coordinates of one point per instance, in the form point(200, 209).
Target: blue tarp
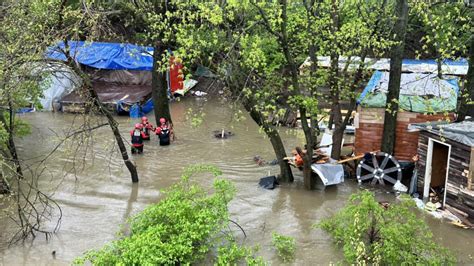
point(419, 92)
point(137, 110)
point(101, 55)
point(449, 62)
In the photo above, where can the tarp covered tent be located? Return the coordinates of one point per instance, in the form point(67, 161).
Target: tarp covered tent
point(448, 67)
point(419, 92)
point(60, 80)
point(119, 71)
point(101, 55)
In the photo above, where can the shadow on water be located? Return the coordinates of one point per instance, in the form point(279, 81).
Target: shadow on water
point(98, 200)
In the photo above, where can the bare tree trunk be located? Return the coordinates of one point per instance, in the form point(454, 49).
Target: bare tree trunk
point(4, 188)
point(391, 108)
point(95, 98)
point(236, 83)
point(10, 126)
point(285, 171)
point(112, 123)
point(160, 85)
point(467, 97)
point(283, 40)
point(118, 138)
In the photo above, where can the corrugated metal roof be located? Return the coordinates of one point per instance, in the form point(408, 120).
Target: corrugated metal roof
point(462, 132)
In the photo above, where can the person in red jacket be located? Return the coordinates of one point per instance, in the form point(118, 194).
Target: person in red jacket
point(164, 132)
point(137, 138)
point(147, 128)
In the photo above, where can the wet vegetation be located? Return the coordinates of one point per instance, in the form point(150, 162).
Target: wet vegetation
point(373, 233)
point(185, 227)
point(255, 48)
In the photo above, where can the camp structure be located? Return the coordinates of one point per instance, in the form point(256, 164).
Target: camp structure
point(120, 74)
point(57, 80)
point(446, 164)
point(423, 97)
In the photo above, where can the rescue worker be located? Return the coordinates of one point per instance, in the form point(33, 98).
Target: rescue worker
point(147, 127)
point(164, 132)
point(137, 138)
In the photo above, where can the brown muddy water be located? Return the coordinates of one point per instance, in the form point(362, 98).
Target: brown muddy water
point(97, 196)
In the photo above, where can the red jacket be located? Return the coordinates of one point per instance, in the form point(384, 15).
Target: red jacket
point(137, 141)
point(147, 129)
point(158, 129)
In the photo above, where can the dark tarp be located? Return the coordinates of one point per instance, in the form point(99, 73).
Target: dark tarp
point(269, 182)
point(112, 93)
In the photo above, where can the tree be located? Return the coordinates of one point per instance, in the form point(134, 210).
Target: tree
point(467, 100)
point(371, 233)
point(178, 31)
point(68, 25)
point(246, 78)
point(445, 28)
point(396, 57)
point(20, 51)
point(281, 22)
point(354, 30)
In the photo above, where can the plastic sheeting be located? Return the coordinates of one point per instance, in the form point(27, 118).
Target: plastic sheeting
point(101, 55)
point(422, 93)
point(448, 67)
point(329, 173)
point(60, 81)
point(137, 111)
point(131, 77)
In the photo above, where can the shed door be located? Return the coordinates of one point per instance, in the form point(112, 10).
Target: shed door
point(436, 175)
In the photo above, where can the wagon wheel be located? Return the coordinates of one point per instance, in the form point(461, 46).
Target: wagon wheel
point(379, 166)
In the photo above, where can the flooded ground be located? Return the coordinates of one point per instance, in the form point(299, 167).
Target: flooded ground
point(98, 197)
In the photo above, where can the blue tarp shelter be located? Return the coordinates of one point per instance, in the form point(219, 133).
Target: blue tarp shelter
point(101, 55)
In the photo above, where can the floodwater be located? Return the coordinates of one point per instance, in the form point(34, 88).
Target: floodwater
point(97, 195)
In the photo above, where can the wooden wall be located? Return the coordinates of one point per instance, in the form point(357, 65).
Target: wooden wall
point(368, 136)
point(459, 188)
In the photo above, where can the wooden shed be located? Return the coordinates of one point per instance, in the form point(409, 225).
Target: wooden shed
point(423, 98)
point(446, 163)
point(369, 131)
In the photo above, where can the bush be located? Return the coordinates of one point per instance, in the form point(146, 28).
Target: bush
point(285, 246)
point(370, 233)
point(181, 229)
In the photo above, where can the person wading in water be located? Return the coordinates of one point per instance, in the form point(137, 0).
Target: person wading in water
point(164, 132)
point(137, 138)
point(147, 128)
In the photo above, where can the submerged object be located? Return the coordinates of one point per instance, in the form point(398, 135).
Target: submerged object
point(268, 182)
point(222, 134)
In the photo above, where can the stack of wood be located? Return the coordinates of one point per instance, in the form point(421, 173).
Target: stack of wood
point(318, 157)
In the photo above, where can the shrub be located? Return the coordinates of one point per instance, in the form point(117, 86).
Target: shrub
point(181, 229)
point(372, 234)
point(285, 246)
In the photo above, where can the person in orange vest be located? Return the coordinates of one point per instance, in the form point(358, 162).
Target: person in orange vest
point(137, 138)
point(147, 128)
point(299, 157)
point(164, 132)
